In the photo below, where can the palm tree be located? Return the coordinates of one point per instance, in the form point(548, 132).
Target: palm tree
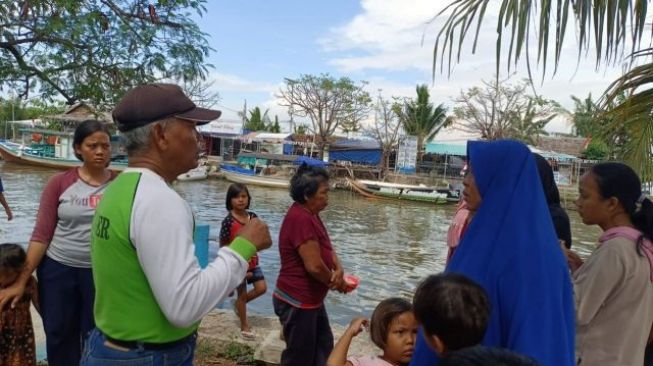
point(419, 118)
point(257, 121)
point(608, 26)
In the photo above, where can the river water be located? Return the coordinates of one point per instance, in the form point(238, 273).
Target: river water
point(390, 246)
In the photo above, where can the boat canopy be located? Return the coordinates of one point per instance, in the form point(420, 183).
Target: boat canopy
point(310, 161)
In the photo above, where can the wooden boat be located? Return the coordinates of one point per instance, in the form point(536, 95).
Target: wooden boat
point(56, 157)
point(237, 174)
point(395, 191)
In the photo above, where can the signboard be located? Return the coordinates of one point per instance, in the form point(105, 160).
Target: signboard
point(407, 154)
point(222, 128)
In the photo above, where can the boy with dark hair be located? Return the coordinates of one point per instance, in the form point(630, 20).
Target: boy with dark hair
point(452, 310)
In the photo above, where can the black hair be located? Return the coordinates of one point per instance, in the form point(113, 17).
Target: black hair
point(620, 181)
point(234, 190)
point(12, 257)
point(306, 181)
point(454, 308)
point(486, 356)
point(382, 317)
point(85, 129)
point(548, 181)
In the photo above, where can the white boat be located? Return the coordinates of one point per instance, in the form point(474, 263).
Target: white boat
point(237, 174)
point(371, 188)
point(199, 173)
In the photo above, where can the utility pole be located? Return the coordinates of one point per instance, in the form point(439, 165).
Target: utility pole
point(291, 111)
point(244, 114)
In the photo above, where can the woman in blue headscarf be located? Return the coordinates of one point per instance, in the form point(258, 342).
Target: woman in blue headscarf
point(512, 251)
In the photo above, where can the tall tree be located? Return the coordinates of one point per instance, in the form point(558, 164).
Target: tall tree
point(327, 101)
point(587, 117)
point(257, 120)
point(201, 92)
point(499, 110)
point(95, 50)
point(385, 130)
point(274, 127)
point(420, 118)
point(608, 29)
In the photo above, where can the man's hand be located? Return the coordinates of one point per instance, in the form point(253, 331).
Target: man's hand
point(257, 233)
point(12, 294)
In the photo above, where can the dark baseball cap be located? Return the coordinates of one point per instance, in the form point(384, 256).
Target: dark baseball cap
point(153, 102)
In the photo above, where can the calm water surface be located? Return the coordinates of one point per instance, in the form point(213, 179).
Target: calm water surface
point(390, 246)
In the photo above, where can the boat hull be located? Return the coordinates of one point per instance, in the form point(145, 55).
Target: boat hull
point(383, 190)
point(255, 180)
point(15, 154)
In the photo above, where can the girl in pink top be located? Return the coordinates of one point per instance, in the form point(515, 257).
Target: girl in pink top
point(393, 329)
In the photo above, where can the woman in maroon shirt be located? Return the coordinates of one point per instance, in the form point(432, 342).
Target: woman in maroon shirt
point(309, 269)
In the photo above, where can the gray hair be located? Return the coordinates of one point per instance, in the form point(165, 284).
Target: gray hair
point(137, 141)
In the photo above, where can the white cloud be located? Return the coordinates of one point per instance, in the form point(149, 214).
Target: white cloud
point(387, 36)
point(231, 83)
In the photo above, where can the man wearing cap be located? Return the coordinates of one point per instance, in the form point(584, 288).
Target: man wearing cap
point(150, 290)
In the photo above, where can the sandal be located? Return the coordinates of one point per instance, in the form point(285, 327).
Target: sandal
point(248, 335)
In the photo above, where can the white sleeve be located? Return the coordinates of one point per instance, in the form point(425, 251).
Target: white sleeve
point(162, 233)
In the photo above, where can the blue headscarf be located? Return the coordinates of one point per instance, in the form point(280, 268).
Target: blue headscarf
point(512, 251)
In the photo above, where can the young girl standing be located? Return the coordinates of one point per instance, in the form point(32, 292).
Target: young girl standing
point(237, 203)
point(393, 329)
point(16, 333)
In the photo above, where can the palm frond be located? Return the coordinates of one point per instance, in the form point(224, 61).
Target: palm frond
point(600, 23)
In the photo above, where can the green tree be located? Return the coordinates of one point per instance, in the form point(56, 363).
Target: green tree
point(327, 101)
point(596, 150)
point(96, 50)
point(421, 119)
point(609, 29)
point(256, 121)
point(587, 117)
point(300, 130)
point(274, 127)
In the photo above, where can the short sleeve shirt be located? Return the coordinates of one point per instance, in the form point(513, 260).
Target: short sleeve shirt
point(228, 231)
point(298, 227)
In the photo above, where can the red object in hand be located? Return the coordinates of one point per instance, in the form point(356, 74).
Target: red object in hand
point(351, 282)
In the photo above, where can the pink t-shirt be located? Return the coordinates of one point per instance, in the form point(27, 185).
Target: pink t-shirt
point(298, 227)
point(368, 361)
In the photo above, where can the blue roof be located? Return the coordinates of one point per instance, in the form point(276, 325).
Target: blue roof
point(446, 149)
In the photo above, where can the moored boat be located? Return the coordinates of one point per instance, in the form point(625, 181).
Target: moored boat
point(51, 156)
point(236, 174)
point(199, 173)
point(385, 190)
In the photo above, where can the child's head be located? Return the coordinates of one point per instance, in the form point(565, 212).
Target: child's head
point(453, 311)
point(237, 197)
point(486, 356)
point(12, 261)
point(393, 329)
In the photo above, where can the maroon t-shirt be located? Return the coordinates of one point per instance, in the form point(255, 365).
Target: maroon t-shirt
point(298, 227)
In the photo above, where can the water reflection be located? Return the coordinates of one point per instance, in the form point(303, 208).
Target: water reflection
point(389, 245)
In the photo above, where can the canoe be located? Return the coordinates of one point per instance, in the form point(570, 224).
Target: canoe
point(395, 191)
